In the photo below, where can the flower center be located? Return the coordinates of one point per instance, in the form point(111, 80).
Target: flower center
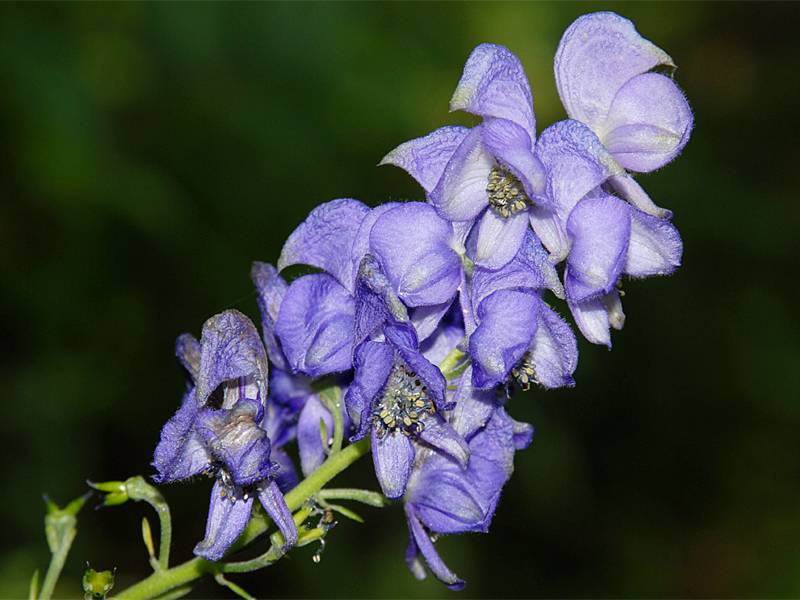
point(405, 401)
point(506, 193)
point(524, 373)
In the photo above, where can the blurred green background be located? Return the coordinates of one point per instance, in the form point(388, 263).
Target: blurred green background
point(150, 152)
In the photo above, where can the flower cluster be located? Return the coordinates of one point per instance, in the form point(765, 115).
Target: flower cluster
point(430, 314)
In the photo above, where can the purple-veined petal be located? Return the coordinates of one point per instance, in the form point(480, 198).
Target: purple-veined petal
point(180, 453)
point(507, 324)
point(187, 349)
point(576, 162)
point(473, 407)
point(285, 474)
point(426, 157)
point(237, 441)
point(309, 435)
point(412, 244)
point(494, 85)
point(412, 559)
point(441, 435)
point(435, 563)
point(275, 506)
point(512, 147)
point(231, 351)
point(315, 325)
point(461, 194)
point(655, 247)
point(600, 228)
point(499, 238)
point(629, 189)
point(649, 123)
point(270, 290)
point(393, 456)
point(373, 362)
point(446, 337)
point(554, 350)
point(523, 434)
point(226, 522)
point(597, 54)
point(376, 302)
point(325, 239)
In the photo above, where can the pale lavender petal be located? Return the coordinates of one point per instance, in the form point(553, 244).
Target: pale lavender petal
point(270, 290)
point(309, 435)
point(597, 54)
point(655, 247)
point(426, 318)
point(432, 558)
point(554, 351)
point(226, 522)
point(315, 325)
point(438, 433)
point(523, 434)
point(275, 506)
point(461, 194)
point(231, 349)
point(426, 157)
point(499, 238)
point(473, 407)
point(442, 342)
point(412, 558)
point(237, 441)
point(373, 362)
point(187, 349)
point(628, 188)
point(595, 317)
point(552, 231)
point(649, 123)
point(325, 239)
point(494, 85)
point(507, 324)
point(180, 453)
point(575, 162)
point(393, 456)
point(412, 244)
point(600, 228)
point(512, 148)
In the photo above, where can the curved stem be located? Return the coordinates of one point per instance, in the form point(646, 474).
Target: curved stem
point(163, 581)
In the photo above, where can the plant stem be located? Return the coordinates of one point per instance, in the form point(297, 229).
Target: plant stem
point(56, 564)
point(162, 582)
point(331, 397)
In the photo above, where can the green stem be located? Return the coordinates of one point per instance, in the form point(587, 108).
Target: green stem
point(451, 361)
point(56, 564)
point(162, 582)
point(356, 495)
point(331, 397)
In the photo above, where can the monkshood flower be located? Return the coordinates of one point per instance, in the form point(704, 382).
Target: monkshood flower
point(606, 78)
point(397, 395)
point(218, 431)
point(518, 335)
point(442, 498)
point(295, 409)
point(489, 173)
point(610, 238)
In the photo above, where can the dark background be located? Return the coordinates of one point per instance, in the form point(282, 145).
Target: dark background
point(150, 152)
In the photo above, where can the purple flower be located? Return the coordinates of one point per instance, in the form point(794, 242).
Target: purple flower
point(605, 76)
point(442, 498)
point(397, 395)
point(611, 238)
point(518, 335)
point(295, 409)
point(218, 430)
point(488, 174)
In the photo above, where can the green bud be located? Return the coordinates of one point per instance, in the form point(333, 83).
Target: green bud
point(97, 584)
